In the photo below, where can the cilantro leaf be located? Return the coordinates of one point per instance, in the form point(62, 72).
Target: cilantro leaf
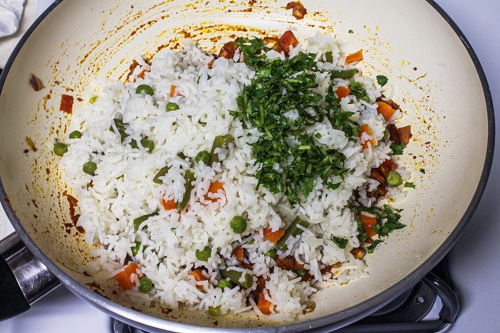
point(410, 185)
point(340, 242)
point(382, 80)
point(358, 89)
point(373, 245)
point(388, 220)
point(397, 149)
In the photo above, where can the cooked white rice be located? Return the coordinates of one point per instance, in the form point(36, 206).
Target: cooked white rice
point(122, 188)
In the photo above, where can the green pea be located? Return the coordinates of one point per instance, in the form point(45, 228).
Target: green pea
point(214, 310)
point(92, 99)
point(203, 156)
point(135, 249)
point(393, 178)
point(75, 135)
point(203, 255)
point(144, 88)
point(238, 224)
point(145, 284)
point(60, 148)
point(90, 168)
point(224, 283)
point(172, 106)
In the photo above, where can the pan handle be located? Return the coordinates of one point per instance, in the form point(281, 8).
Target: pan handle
point(23, 278)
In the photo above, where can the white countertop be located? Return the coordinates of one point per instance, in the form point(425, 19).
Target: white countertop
point(474, 261)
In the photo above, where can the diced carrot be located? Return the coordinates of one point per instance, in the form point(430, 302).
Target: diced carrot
point(287, 40)
point(270, 40)
point(66, 104)
point(199, 276)
point(172, 90)
point(228, 50)
point(239, 253)
point(273, 236)
point(368, 223)
point(405, 134)
point(214, 188)
point(289, 263)
point(342, 91)
point(168, 204)
point(298, 9)
point(263, 304)
point(354, 57)
point(274, 42)
point(393, 134)
point(385, 110)
point(366, 129)
point(277, 47)
point(358, 253)
point(124, 276)
point(378, 175)
point(247, 265)
point(389, 165)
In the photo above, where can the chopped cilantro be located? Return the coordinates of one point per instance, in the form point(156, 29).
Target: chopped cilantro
point(373, 245)
point(410, 185)
point(390, 226)
point(387, 219)
point(422, 170)
point(340, 242)
point(397, 149)
point(252, 49)
point(382, 80)
point(290, 159)
point(358, 89)
point(282, 102)
point(301, 272)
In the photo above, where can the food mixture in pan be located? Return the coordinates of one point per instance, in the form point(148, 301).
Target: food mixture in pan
point(242, 181)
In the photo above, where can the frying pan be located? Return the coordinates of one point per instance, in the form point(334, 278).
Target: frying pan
point(438, 82)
